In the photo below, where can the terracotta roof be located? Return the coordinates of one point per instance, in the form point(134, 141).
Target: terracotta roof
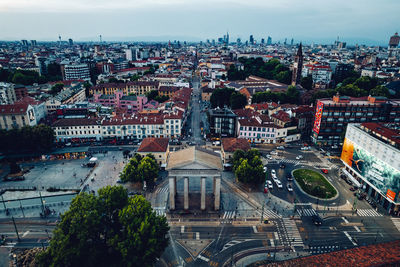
point(282, 116)
point(232, 144)
point(384, 254)
point(76, 122)
point(153, 144)
point(381, 130)
point(245, 113)
point(13, 109)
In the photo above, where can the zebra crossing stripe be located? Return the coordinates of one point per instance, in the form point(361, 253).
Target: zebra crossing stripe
point(306, 212)
point(396, 222)
point(368, 213)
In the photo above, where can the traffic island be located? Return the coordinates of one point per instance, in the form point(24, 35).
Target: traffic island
point(314, 184)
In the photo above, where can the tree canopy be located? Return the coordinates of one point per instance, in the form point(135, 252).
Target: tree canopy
point(291, 96)
point(153, 95)
point(110, 229)
point(248, 166)
point(29, 138)
point(140, 169)
point(271, 69)
point(227, 97)
point(55, 89)
point(29, 77)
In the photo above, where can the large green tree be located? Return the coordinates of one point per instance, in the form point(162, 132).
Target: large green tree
point(237, 100)
point(248, 166)
point(110, 229)
point(140, 169)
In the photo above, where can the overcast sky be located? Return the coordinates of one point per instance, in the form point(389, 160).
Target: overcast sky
point(308, 20)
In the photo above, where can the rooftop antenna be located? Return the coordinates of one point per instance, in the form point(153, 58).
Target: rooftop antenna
point(100, 38)
point(59, 39)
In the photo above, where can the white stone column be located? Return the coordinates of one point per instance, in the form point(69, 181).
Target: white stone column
point(203, 193)
point(217, 192)
point(172, 192)
point(186, 193)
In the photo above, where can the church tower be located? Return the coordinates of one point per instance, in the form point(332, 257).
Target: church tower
point(297, 66)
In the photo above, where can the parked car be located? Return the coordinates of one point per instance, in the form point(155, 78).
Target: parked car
point(324, 171)
point(265, 169)
point(265, 189)
point(299, 157)
point(289, 187)
point(278, 184)
point(289, 177)
point(316, 220)
point(280, 147)
point(273, 172)
point(274, 153)
point(269, 184)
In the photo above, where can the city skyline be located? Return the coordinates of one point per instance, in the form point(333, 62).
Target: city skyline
point(354, 22)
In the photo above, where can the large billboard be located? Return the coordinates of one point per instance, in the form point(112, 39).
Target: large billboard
point(318, 115)
point(384, 177)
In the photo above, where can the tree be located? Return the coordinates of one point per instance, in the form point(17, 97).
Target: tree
point(380, 90)
point(55, 89)
point(110, 229)
point(221, 97)
point(115, 80)
point(135, 78)
point(292, 95)
point(237, 100)
point(248, 166)
point(130, 173)
point(148, 169)
point(307, 82)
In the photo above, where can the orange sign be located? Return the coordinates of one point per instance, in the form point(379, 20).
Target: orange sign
point(390, 194)
point(347, 152)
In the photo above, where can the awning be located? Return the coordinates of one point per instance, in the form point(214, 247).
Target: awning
point(353, 180)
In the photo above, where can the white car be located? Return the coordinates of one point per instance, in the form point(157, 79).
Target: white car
point(305, 148)
point(273, 172)
point(269, 184)
point(274, 153)
point(278, 184)
point(289, 187)
point(299, 157)
point(280, 147)
point(265, 169)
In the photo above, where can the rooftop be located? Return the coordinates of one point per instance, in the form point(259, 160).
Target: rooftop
point(232, 144)
point(152, 144)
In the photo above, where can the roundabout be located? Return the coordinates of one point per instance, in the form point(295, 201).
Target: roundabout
point(314, 184)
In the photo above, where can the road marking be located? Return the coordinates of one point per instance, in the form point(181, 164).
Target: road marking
point(255, 229)
point(197, 235)
point(25, 234)
point(349, 237)
point(182, 229)
point(203, 258)
point(357, 229)
point(344, 219)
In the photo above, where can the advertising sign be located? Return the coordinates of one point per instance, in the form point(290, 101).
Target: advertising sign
point(383, 176)
point(318, 115)
point(391, 195)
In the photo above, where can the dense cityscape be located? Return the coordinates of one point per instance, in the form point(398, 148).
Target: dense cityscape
point(222, 152)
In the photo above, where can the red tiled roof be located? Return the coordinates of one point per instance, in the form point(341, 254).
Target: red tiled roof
point(282, 116)
point(76, 122)
point(245, 113)
point(260, 106)
point(249, 122)
point(19, 108)
point(380, 129)
point(384, 254)
point(153, 144)
point(232, 144)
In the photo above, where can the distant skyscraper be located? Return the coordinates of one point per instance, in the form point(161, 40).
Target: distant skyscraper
point(227, 38)
point(71, 42)
point(394, 41)
point(251, 39)
point(262, 41)
point(33, 42)
point(285, 41)
point(297, 66)
point(238, 41)
point(24, 42)
point(269, 40)
point(291, 41)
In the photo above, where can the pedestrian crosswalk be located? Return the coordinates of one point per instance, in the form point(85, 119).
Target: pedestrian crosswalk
point(229, 215)
point(162, 190)
point(160, 211)
point(368, 213)
point(271, 214)
point(292, 233)
point(306, 212)
point(323, 249)
point(396, 222)
point(291, 161)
